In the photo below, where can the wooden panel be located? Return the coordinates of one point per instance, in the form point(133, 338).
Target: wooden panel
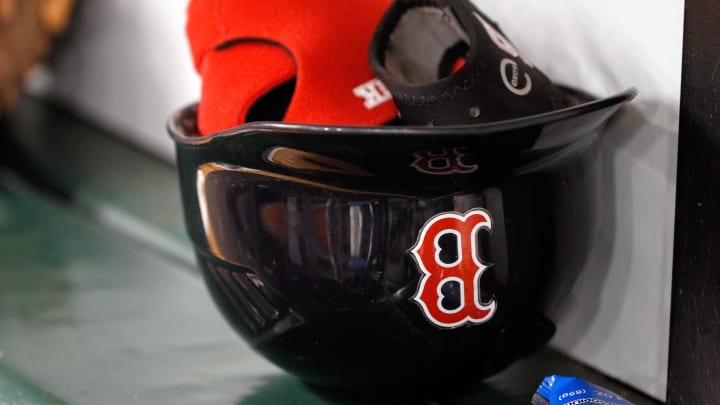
point(695, 329)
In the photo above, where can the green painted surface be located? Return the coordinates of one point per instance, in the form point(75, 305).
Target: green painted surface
point(106, 180)
point(17, 390)
point(90, 316)
point(100, 301)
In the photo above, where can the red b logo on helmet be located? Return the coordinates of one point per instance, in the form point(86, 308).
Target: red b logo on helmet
point(463, 273)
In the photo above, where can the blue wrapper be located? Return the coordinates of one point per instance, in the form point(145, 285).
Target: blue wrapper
point(561, 390)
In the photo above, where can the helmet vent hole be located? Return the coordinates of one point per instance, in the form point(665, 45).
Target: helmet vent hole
point(273, 105)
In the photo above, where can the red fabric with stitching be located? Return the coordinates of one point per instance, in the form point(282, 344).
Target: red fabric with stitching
point(324, 43)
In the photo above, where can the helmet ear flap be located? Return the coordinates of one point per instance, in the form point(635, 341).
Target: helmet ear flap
point(446, 63)
point(245, 81)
